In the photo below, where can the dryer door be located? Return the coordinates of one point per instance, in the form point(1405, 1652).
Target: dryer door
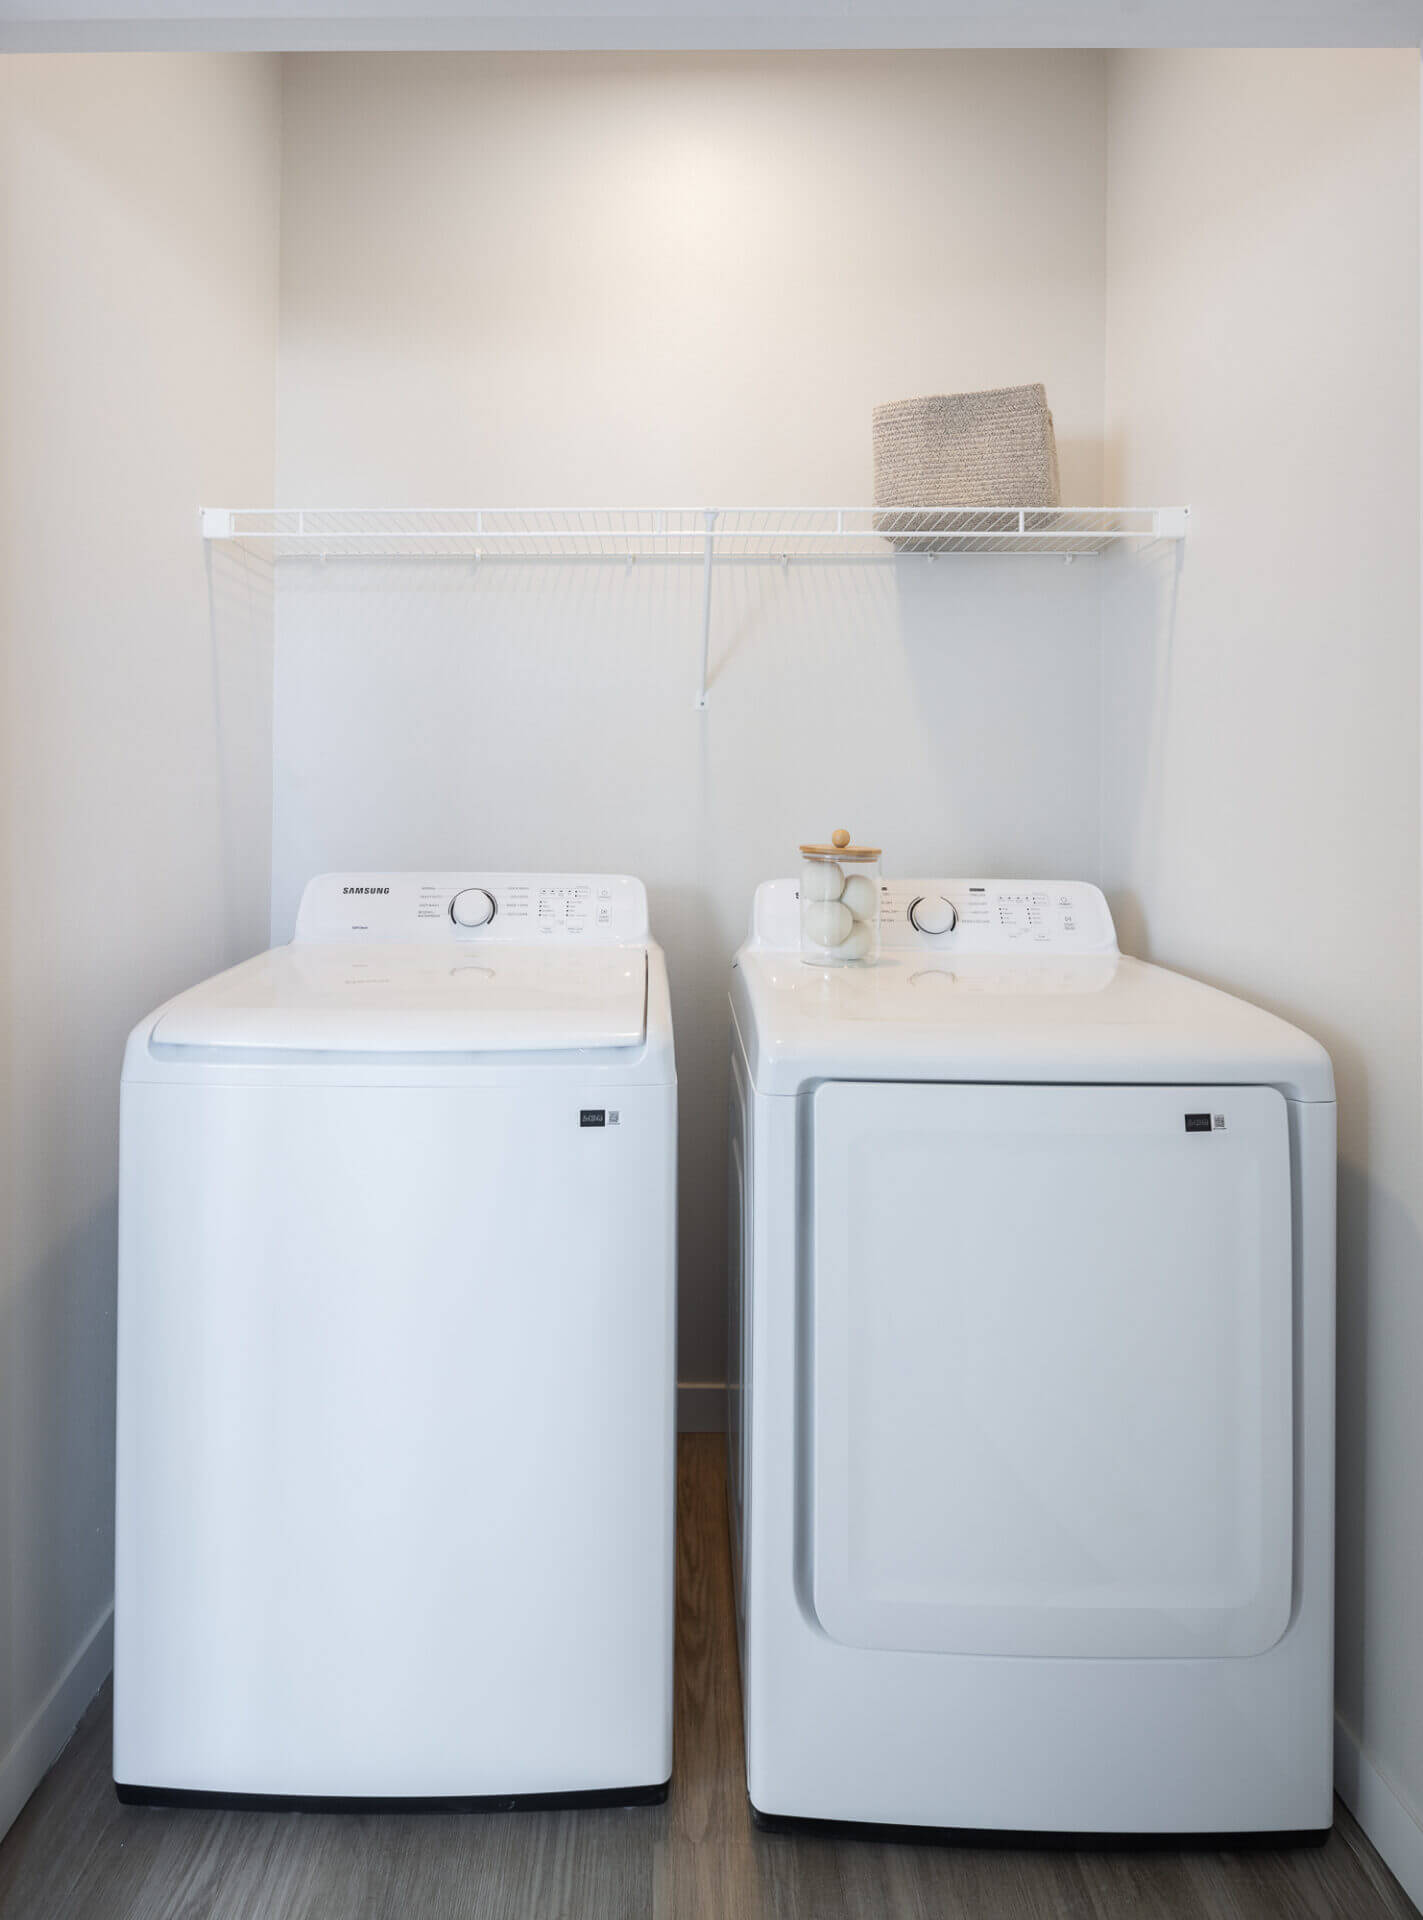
point(1050, 1334)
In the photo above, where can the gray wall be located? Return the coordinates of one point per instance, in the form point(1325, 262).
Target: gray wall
point(138, 258)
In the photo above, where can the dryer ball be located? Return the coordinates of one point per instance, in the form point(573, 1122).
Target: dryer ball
point(827, 922)
point(821, 880)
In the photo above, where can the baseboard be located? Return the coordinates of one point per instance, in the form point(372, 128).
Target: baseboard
point(701, 1406)
point(41, 1740)
point(1389, 1822)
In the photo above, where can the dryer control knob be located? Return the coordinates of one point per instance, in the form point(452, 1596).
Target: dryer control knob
point(472, 908)
point(932, 913)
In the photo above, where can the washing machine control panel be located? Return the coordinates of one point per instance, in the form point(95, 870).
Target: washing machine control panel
point(527, 909)
point(962, 916)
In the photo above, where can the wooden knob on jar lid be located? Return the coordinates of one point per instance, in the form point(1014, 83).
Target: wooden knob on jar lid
point(840, 837)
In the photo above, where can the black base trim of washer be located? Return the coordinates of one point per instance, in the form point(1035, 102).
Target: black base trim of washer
point(133, 1796)
point(792, 1823)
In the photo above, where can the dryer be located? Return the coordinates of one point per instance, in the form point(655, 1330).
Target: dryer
point(396, 1324)
point(1031, 1409)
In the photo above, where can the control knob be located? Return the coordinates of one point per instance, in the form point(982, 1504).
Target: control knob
point(472, 908)
point(932, 913)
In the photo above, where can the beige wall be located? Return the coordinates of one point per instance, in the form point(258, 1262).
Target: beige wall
point(1260, 811)
point(685, 282)
point(675, 281)
point(138, 282)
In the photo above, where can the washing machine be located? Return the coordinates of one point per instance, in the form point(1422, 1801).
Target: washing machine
point(396, 1321)
point(1032, 1380)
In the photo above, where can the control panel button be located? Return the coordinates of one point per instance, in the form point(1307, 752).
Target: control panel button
point(472, 908)
point(932, 913)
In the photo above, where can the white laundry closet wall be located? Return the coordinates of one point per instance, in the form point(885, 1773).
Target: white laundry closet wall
point(634, 281)
point(138, 321)
point(1260, 813)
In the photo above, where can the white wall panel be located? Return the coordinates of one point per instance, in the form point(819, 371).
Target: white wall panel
point(1260, 792)
point(137, 364)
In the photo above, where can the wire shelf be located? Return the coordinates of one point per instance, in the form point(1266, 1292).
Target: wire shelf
point(704, 536)
point(773, 534)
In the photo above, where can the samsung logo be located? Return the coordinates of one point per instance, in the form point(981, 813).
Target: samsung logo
point(365, 889)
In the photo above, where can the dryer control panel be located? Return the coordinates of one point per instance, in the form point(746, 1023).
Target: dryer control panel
point(475, 909)
point(961, 916)
point(996, 916)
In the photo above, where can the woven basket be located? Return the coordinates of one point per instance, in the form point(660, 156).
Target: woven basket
point(993, 449)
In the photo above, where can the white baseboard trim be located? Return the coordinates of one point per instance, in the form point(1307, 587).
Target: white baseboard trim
point(1389, 1822)
point(41, 1740)
point(701, 1406)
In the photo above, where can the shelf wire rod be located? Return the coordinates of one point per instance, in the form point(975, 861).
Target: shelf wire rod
point(708, 553)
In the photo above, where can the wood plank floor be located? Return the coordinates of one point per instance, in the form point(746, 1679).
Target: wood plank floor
point(76, 1854)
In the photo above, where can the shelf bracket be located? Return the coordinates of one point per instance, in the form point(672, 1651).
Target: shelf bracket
point(1172, 523)
point(708, 548)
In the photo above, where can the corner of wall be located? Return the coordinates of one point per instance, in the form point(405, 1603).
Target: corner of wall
point(48, 1728)
point(1390, 1824)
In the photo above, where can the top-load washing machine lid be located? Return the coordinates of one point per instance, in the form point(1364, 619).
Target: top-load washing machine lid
point(415, 999)
point(436, 963)
point(1020, 981)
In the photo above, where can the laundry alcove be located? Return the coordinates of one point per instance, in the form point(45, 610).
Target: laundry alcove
point(323, 276)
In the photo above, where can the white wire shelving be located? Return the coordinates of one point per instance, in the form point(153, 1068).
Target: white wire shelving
point(701, 536)
point(666, 533)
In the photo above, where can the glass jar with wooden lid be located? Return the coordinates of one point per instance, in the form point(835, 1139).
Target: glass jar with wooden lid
point(839, 903)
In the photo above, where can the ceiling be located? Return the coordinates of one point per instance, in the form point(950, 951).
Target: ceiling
point(708, 25)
